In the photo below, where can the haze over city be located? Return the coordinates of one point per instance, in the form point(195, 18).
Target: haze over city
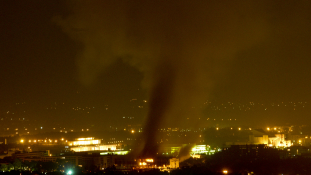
point(103, 65)
point(108, 53)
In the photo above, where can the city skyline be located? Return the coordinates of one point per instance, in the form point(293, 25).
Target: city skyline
point(155, 87)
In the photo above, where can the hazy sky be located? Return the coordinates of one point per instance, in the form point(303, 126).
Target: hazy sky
point(102, 52)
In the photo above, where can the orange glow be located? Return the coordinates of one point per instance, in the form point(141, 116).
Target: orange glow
point(142, 163)
point(149, 160)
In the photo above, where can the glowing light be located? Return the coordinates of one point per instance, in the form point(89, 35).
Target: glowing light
point(149, 160)
point(225, 171)
point(132, 131)
point(142, 163)
point(84, 141)
point(239, 129)
point(22, 141)
point(217, 129)
point(88, 138)
point(69, 172)
point(268, 129)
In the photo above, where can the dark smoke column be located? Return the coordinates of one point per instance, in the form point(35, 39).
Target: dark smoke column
point(160, 101)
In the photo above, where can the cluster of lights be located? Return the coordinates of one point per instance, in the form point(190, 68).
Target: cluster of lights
point(270, 129)
point(45, 140)
point(146, 160)
point(221, 119)
point(149, 160)
point(142, 163)
point(84, 141)
point(117, 141)
point(217, 128)
point(250, 105)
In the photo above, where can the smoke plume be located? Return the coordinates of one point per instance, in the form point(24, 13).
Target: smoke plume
point(181, 47)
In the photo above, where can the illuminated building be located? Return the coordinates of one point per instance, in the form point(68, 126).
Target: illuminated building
point(200, 149)
point(114, 152)
point(171, 149)
point(255, 139)
point(90, 144)
point(279, 141)
point(195, 150)
point(146, 163)
point(260, 137)
point(84, 141)
point(174, 163)
point(94, 148)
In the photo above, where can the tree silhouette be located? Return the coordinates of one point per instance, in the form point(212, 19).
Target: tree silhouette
point(17, 164)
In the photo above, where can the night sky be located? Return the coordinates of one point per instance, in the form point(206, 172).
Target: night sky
point(174, 53)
